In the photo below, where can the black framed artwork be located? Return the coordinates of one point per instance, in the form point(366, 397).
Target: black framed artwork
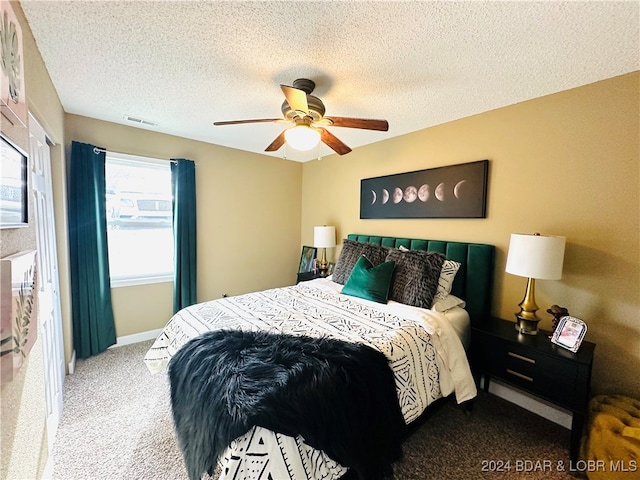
point(453, 191)
point(13, 186)
point(307, 259)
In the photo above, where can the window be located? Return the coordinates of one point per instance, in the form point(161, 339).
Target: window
point(139, 220)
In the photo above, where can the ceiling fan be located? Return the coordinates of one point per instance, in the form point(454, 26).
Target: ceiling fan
point(307, 113)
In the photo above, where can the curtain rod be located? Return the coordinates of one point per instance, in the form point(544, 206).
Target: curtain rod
point(97, 150)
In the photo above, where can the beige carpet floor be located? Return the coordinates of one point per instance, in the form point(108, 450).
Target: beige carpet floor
point(116, 424)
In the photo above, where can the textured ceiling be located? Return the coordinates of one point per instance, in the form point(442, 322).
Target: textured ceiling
point(185, 64)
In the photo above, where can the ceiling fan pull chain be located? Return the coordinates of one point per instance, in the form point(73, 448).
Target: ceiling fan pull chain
point(319, 152)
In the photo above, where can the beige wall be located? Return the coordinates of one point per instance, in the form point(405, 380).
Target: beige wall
point(565, 164)
point(23, 448)
point(248, 219)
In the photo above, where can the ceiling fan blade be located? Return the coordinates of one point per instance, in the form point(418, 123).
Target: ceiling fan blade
point(333, 142)
point(296, 98)
point(256, 120)
point(276, 144)
point(364, 123)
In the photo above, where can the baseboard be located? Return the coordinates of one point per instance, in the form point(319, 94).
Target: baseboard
point(120, 341)
point(136, 338)
point(546, 410)
point(71, 367)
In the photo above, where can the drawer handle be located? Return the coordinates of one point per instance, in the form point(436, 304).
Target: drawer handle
point(519, 375)
point(520, 357)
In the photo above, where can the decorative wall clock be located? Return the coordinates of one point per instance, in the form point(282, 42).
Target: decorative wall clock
point(12, 92)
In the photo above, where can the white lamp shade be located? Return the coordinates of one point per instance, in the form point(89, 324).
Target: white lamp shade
point(324, 237)
point(536, 256)
point(302, 137)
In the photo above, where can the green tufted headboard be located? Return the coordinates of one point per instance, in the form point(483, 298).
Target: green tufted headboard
point(474, 280)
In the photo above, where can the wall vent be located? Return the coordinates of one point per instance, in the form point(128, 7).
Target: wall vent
point(131, 119)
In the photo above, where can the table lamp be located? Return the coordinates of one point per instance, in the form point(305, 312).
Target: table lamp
point(324, 237)
point(534, 257)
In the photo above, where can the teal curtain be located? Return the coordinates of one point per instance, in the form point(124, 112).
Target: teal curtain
point(183, 184)
point(91, 310)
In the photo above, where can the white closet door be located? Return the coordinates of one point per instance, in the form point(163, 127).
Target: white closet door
point(50, 326)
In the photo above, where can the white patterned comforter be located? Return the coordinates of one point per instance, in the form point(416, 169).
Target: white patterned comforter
point(424, 352)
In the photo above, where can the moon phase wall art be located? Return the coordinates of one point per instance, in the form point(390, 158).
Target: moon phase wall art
point(453, 191)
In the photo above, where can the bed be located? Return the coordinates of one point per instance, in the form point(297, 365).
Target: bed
point(356, 370)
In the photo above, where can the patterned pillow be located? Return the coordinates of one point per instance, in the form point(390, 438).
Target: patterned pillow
point(447, 276)
point(351, 252)
point(416, 277)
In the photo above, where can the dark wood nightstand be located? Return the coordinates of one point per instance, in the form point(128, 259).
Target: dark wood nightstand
point(533, 364)
point(303, 277)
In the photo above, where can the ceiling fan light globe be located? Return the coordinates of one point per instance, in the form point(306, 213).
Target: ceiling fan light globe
point(302, 137)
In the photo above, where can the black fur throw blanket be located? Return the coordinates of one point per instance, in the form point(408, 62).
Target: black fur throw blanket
point(339, 396)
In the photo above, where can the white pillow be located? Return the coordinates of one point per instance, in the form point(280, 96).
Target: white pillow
point(448, 303)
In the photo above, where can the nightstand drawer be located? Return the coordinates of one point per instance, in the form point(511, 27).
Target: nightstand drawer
point(528, 369)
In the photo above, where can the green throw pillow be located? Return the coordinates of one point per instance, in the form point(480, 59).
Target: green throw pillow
point(369, 282)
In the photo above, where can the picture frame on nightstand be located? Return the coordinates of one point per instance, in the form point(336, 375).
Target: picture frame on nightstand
point(569, 333)
point(307, 258)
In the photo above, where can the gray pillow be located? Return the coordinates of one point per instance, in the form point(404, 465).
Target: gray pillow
point(375, 253)
point(416, 276)
point(447, 276)
point(349, 255)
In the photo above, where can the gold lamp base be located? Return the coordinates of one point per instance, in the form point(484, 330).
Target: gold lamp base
point(323, 264)
point(526, 319)
point(526, 325)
